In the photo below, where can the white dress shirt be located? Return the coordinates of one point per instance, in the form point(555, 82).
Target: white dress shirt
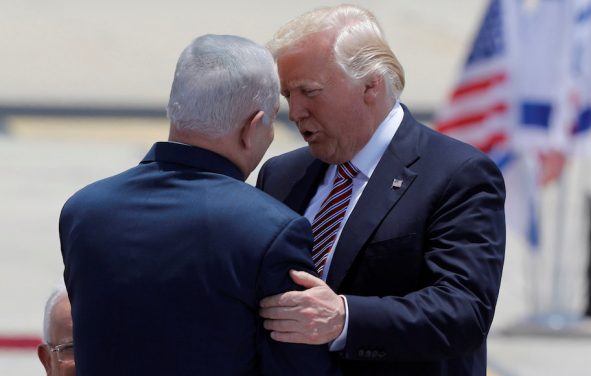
point(366, 161)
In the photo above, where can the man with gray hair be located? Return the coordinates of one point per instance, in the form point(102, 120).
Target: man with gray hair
point(408, 224)
point(56, 353)
point(166, 262)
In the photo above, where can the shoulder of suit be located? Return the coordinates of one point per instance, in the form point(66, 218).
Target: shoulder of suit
point(95, 190)
point(264, 204)
point(294, 157)
point(450, 147)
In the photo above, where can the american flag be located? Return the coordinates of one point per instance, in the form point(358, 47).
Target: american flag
point(526, 83)
point(478, 111)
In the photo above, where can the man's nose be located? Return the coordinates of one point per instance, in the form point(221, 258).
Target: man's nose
point(297, 109)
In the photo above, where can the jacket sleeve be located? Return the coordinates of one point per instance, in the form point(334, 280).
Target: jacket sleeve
point(463, 255)
point(290, 250)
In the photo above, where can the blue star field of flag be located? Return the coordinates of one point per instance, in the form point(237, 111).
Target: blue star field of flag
point(489, 42)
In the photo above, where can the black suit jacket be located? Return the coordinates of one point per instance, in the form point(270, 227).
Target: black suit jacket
point(420, 264)
point(165, 265)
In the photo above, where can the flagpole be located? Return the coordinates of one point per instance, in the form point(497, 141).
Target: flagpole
point(558, 309)
point(534, 289)
point(558, 319)
point(534, 241)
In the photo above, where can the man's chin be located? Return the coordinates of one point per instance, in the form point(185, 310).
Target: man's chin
point(323, 155)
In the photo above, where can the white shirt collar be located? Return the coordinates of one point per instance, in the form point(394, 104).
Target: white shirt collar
point(366, 160)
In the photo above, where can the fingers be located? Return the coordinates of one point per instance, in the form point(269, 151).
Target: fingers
point(287, 299)
point(293, 298)
point(292, 331)
point(279, 313)
point(281, 325)
point(305, 279)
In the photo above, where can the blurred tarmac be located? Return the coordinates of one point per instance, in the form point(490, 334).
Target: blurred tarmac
point(44, 160)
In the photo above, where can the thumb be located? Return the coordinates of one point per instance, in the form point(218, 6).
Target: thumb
point(304, 279)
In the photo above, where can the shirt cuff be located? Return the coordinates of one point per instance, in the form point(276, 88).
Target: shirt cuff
point(339, 343)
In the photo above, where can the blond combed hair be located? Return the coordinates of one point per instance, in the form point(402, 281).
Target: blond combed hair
point(359, 48)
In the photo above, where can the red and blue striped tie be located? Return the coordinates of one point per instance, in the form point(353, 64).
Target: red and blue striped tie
point(332, 211)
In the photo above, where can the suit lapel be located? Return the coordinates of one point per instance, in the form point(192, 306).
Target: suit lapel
point(380, 195)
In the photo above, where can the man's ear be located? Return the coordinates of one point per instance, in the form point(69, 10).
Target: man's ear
point(44, 357)
point(248, 131)
point(374, 85)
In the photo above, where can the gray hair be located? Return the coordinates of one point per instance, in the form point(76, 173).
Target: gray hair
point(58, 293)
point(220, 81)
point(360, 48)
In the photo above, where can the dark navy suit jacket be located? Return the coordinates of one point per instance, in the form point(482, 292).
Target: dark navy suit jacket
point(419, 262)
point(165, 265)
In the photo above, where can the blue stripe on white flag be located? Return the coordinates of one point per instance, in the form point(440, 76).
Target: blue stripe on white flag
point(535, 114)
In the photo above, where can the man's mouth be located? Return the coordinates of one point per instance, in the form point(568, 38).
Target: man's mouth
point(308, 135)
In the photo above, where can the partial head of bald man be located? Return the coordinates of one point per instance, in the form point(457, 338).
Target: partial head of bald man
point(57, 352)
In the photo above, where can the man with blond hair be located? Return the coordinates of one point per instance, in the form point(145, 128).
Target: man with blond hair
point(409, 230)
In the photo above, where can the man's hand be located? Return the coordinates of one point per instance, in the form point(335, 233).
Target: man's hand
point(314, 316)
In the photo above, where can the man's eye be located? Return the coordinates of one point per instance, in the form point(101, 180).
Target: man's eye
point(311, 92)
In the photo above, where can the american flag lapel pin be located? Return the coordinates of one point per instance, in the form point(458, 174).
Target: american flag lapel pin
point(396, 183)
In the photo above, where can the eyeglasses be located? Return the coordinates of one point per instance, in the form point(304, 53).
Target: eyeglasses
point(65, 351)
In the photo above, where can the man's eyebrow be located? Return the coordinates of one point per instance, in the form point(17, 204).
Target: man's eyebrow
point(300, 83)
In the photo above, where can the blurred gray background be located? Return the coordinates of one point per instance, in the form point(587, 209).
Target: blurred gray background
point(83, 85)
